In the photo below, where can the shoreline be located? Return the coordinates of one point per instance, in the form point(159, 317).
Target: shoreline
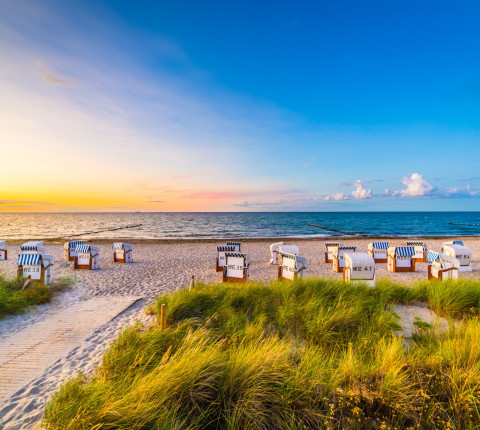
point(188, 240)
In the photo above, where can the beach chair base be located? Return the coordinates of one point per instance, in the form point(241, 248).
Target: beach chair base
point(377, 260)
point(88, 266)
point(69, 257)
point(394, 269)
point(218, 268)
point(295, 275)
point(124, 259)
point(43, 274)
point(236, 280)
point(3, 255)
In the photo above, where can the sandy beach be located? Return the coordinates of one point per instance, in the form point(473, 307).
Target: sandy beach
point(159, 267)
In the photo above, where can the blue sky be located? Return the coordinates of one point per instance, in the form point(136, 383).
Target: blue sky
point(240, 105)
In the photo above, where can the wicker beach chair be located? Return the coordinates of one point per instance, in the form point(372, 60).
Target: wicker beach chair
point(400, 259)
point(378, 251)
point(442, 266)
point(359, 267)
point(122, 252)
point(291, 266)
point(88, 257)
point(237, 266)
point(338, 260)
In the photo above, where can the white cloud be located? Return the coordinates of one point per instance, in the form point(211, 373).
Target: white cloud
point(416, 187)
point(387, 191)
point(339, 196)
point(361, 192)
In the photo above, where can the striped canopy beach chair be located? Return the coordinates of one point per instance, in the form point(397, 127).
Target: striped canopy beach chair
point(88, 257)
point(378, 251)
point(38, 267)
point(291, 266)
point(236, 245)
point(237, 266)
point(70, 249)
point(338, 255)
point(330, 246)
point(359, 267)
point(221, 250)
point(461, 252)
point(400, 259)
point(420, 250)
point(122, 252)
point(442, 266)
point(33, 247)
point(3, 251)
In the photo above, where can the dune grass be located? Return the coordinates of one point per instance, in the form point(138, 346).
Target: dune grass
point(14, 299)
point(304, 355)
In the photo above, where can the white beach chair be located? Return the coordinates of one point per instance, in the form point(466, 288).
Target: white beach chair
point(338, 257)
point(378, 251)
point(236, 245)
point(461, 252)
point(329, 252)
point(359, 268)
point(237, 266)
point(442, 266)
point(420, 250)
point(291, 266)
point(221, 250)
point(3, 251)
point(36, 266)
point(70, 249)
point(274, 252)
point(122, 252)
point(400, 259)
point(289, 249)
point(88, 257)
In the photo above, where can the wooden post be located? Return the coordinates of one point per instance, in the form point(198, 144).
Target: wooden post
point(162, 316)
point(192, 282)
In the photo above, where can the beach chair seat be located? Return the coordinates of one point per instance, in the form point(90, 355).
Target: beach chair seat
point(274, 252)
point(442, 266)
point(378, 251)
point(330, 246)
point(122, 252)
point(69, 249)
point(461, 252)
point(236, 245)
point(400, 259)
point(338, 257)
point(420, 250)
point(359, 268)
point(221, 250)
point(38, 267)
point(237, 266)
point(3, 251)
point(88, 257)
point(291, 266)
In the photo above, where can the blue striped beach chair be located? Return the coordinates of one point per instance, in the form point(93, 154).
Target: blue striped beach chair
point(70, 249)
point(338, 262)
point(420, 250)
point(221, 250)
point(88, 257)
point(442, 266)
point(122, 252)
point(378, 251)
point(330, 246)
point(400, 259)
point(38, 267)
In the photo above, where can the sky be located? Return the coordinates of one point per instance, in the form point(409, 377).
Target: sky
point(239, 106)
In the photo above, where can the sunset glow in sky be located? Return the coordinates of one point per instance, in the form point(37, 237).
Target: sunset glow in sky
point(239, 106)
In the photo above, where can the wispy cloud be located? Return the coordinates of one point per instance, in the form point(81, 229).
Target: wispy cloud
point(476, 178)
point(50, 77)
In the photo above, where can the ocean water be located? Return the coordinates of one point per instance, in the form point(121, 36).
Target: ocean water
point(240, 224)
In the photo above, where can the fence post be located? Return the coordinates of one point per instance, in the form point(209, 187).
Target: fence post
point(162, 316)
point(192, 282)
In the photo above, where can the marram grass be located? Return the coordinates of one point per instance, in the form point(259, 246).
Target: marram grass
point(14, 299)
point(312, 354)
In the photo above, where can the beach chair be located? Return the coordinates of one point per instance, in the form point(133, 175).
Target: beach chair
point(3, 251)
point(400, 259)
point(442, 266)
point(275, 251)
point(221, 250)
point(122, 252)
point(289, 249)
point(420, 251)
point(329, 252)
point(461, 252)
point(33, 247)
point(378, 251)
point(69, 249)
point(236, 245)
point(291, 266)
point(36, 266)
point(453, 242)
point(359, 268)
point(88, 257)
point(338, 257)
point(236, 267)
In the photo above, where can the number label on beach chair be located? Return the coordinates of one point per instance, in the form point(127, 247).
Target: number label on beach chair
point(288, 268)
point(235, 267)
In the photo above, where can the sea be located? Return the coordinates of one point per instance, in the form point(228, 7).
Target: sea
point(198, 225)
